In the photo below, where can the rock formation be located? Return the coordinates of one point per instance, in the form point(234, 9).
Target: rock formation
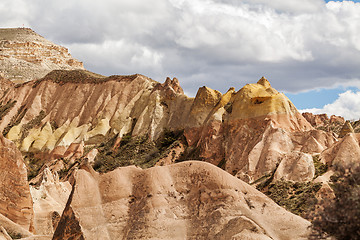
point(15, 199)
point(345, 153)
point(323, 122)
point(258, 128)
point(249, 132)
point(67, 123)
point(25, 55)
point(191, 200)
point(49, 199)
point(347, 128)
point(5, 84)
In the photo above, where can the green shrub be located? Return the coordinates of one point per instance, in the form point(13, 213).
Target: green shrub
point(4, 109)
point(15, 235)
point(296, 197)
point(15, 120)
point(320, 168)
point(31, 124)
point(138, 150)
point(340, 217)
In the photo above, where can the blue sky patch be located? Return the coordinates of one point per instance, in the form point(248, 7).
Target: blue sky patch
point(317, 98)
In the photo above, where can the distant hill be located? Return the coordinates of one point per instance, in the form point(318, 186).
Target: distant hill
point(25, 55)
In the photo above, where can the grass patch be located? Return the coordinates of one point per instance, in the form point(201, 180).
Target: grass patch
point(33, 164)
point(15, 120)
point(31, 124)
point(4, 109)
point(139, 151)
point(298, 198)
point(320, 168)
point(15, 235)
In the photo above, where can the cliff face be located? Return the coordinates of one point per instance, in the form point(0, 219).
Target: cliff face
point(25, 55)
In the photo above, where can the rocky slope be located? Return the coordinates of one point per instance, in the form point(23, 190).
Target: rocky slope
point(191, 200)
point(248, 132)
point(25, 55)
point(80, 135)
point(16, 206)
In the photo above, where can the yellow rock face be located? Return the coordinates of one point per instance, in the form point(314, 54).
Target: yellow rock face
point(205, 98)
point(260, 99)
point(205, 101)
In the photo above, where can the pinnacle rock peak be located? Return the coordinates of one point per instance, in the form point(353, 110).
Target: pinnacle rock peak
point(347, 128)
point(263, 81)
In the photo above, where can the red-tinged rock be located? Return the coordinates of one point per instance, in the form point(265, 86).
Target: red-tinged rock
point(345, 153)
point(15, 198)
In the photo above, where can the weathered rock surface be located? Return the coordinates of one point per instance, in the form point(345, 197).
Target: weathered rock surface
point(25, 55)
point(49, 198)
point(192, 200)
point(347, 128)
point(259, 128)
point(15, 198)
point(323, 122)
point(5, 84)
point(71, 107)
point(249, 131)
point(345, 153)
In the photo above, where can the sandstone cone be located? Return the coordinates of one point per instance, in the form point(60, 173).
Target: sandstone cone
point(347, 128)
point(345, 153)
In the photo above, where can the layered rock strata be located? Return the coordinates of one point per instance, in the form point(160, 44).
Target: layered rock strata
point(25, 55)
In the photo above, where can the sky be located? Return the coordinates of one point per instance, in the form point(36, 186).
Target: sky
point(308, 49)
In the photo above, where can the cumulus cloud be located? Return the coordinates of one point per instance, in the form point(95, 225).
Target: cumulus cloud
point(347, 105)
point(297, 45)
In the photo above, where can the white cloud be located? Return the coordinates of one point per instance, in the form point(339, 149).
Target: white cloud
point(347, 105)
point(297, 45)
point(124, 56)
point(14, 13)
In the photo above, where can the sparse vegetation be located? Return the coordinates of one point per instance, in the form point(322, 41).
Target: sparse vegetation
point(190, 153)
point(15, 120)
point(31, 124)
point(222, 164)
point(298, 198)
point(333, 127)
point(62, 77)
point(33, 164)
point(4, 109)
point(15, 235)
point(168, 138)
point(340, 217)
point(320, 168)
point(263, 182)
point(139, 151)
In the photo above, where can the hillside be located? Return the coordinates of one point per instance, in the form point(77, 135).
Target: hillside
point(127, 157)
point(25, 55)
